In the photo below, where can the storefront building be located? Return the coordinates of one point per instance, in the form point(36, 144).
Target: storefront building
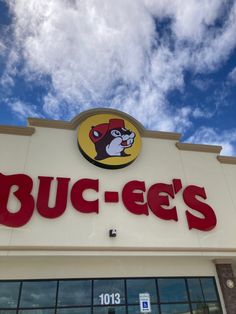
point(99, 215)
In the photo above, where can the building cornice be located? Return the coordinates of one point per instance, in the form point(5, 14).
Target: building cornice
point(199, 148)
point(12, 248)
point(227, 160)
point(76, 121)
point(16, 130)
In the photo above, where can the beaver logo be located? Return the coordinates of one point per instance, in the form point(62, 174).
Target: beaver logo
point(111, 139)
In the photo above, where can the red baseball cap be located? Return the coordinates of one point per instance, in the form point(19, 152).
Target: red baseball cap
point(99, 131)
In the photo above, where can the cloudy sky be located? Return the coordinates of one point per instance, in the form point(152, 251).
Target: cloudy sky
point(169, 63)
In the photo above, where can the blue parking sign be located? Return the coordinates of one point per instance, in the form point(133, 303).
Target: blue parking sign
point(145, 305)
point(144, 301)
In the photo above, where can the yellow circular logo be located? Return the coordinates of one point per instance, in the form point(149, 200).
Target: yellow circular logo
point(109, 141)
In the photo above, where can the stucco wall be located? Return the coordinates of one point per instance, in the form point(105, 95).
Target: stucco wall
point(54, 152)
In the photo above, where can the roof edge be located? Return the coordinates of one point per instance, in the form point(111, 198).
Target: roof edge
point(162, 135)
point(45, 123)
point(199, 147)
point(16, 130)
point(227, 160)
point(74, 123)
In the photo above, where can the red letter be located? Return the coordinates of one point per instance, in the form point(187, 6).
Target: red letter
point(156, 201)
point(43, 197)
point(23, 215)
point(132, 200)
point(77, 199)
point(209, 221)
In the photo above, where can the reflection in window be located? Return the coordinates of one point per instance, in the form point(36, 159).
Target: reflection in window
point(172, 290)
point(214, 308)
point(38, 294)
point(43, 311)
point(137, 286)
point(80, 310)
point(109, 310)
point(209, 289)
point(200, 308)
point(195, 290)
point(109, 292)
point(135, 309)
point(7, 311)
point(9, 292)
point(74, 292)
point(175, 309)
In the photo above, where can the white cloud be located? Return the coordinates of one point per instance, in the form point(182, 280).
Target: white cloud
point(23, 110)
point(202, 84)
point(203, 113)
point(108, 53)
point(190, 18)
point(207, 135)
point(232, 76)
point(2, 47)
point(218, 45)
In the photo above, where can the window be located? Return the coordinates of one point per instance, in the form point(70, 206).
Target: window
point(135, 309)
point(175, 308)
point(172, 290)
point(38, 294)
point(9, 294)
point(137, 286)
point(74, 292)
point(109, 292)
point(195, 290)
point(188, 295)
point(109, 310)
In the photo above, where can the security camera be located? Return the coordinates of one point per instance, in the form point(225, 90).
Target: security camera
point(112, 233)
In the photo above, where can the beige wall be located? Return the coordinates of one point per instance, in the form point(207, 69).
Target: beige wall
point(77, 245)
point(54, 152)
point(31, 267)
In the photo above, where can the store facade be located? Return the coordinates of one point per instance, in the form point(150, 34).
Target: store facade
point(99, 215)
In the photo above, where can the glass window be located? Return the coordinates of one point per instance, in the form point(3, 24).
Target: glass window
point(109, 310)
point(74, 292)
point(135, 309)
point(172, 290)
point(195, 290)
point(109, 292)
point(42, 311)
point(76, 310)
point(209, 289)
point(214, 308)
point(9, 293)
point(175, 309)
point(108, 296)
point(38, 294)
point(200, 308)
point(137, 286)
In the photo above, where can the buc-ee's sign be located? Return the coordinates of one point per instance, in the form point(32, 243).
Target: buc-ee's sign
point(112, 142)
point(136, 197)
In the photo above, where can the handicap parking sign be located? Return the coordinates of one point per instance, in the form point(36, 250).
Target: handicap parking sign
point(145, 305)
point(144, 301)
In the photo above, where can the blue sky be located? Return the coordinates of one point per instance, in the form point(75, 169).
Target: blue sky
point(171, 64)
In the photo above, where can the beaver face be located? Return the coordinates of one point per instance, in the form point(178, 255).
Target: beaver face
point(122, 138)
point(114, 143)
